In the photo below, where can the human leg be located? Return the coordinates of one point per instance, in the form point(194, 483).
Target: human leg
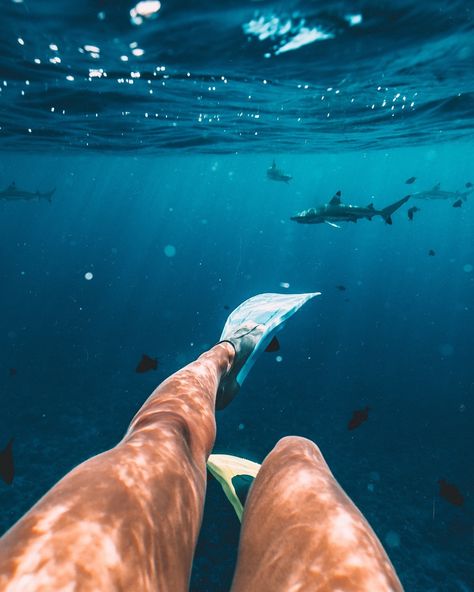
point(127, 519)
point(300, 531)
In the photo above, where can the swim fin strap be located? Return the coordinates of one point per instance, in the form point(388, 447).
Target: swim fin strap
point(224, 467)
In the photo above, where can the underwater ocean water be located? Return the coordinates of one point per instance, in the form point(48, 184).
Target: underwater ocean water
point(156, 124)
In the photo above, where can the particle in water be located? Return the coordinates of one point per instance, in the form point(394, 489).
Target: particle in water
point(88, 276)
point(279, 359)
point(284, 285)
point(392, 539)
point(241, 426)
point(170, 250)
point(446, 349)
point(468, 268)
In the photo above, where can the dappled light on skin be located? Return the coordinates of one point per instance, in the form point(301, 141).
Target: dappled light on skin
point(127, 519)
point(301, 532)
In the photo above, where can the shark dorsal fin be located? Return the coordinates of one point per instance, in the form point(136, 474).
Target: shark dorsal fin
point(436, 187)
point(370, 206)
point(336, 199)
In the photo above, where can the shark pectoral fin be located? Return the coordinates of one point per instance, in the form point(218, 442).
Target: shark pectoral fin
point(331, 224)
point(224, 467)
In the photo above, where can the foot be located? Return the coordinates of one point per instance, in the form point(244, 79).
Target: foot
point(244, 341)
point(250, 328)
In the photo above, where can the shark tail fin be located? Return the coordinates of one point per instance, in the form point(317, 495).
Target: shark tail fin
point(224, 468)
point(387, 212)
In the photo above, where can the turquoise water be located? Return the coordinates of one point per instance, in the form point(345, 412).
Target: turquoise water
point(157, 130)
point(398, 339)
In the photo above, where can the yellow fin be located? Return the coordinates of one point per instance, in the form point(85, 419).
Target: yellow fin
point(223, 467)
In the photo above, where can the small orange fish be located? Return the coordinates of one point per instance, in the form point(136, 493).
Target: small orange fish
point(450, 493)
point(146, 364)
point(7, 470)
point(358, 418)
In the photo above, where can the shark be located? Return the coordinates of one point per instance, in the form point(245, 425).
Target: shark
point(437, 193)
point(276, 174)
point(336, 211)
point(12, 193)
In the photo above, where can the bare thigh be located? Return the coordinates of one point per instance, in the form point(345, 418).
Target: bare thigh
point(127, 519)
point(301, 532)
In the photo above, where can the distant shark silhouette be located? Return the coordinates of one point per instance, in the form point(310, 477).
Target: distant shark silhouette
point(276, 174)
point(437, 193)
point(336, 211)
point(12, 193)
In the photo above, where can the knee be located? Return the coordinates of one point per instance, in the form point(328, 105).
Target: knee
point(297, 446)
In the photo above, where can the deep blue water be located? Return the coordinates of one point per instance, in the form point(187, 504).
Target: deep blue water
point(399, 339)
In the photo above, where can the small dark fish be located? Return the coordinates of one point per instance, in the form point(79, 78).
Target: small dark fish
point(273, 346)
point(146, 364)
point(411, 211)
point(431, 253)
point(468, 184)
point(450, 493)
point(226, 307)
point(12, 371)
point(410, 180)
point(457, 204)
point(341, 288)
point(358, 417)
point(7, 470)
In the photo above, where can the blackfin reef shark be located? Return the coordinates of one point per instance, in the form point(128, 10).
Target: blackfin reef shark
point(12, 193)
point(276, 174)
point(436, 193)
point(335, 211)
